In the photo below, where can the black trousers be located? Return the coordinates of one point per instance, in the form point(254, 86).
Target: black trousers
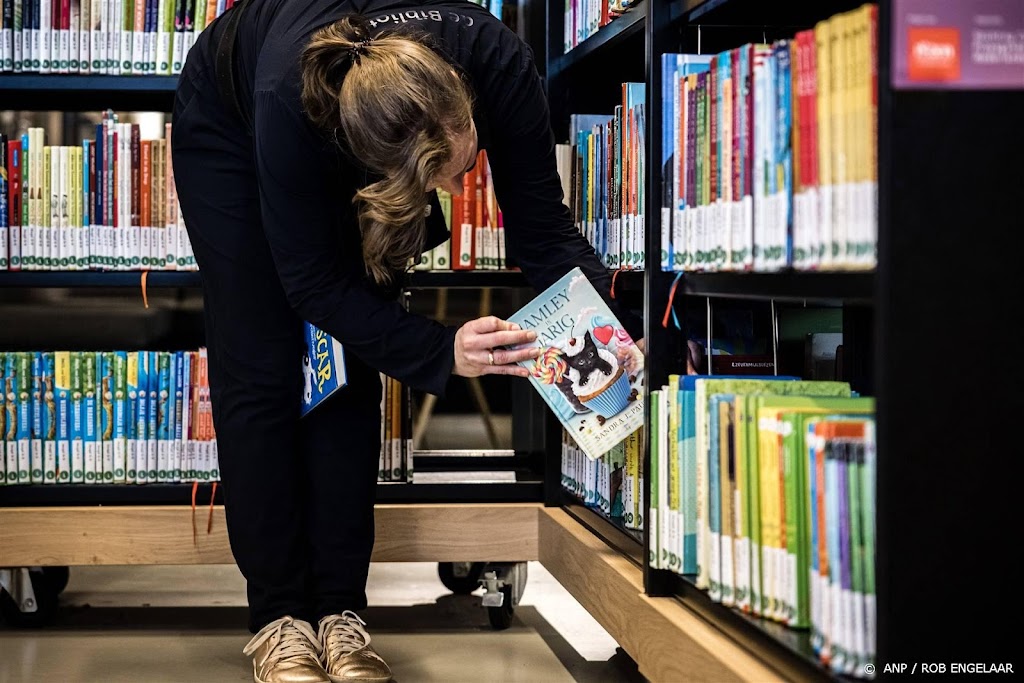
point(298, 494)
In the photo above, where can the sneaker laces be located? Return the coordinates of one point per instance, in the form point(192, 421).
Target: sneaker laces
point(293, 640)
point(345, 632)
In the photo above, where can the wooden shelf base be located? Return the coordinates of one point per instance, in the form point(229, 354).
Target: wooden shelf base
point(668, 641)
point(163, 534)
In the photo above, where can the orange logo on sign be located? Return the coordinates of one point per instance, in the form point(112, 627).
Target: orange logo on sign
point(934, 54)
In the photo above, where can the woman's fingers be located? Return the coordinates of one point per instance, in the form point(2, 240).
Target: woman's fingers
point(503, 357)
point(495, 339)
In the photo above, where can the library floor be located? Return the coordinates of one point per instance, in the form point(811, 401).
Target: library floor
point(186, 625)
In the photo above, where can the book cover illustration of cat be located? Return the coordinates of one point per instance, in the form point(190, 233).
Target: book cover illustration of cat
point(590, 372)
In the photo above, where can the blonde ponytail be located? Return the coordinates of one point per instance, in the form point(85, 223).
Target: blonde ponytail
point(399, 104)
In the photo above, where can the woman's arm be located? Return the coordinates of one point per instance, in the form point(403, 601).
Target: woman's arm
point(539, 231)
point(301, 210)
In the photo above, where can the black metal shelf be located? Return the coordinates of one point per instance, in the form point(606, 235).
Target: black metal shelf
point(465, 279)
point(741, 14)
point(72, 83)
point(608, 38)
point(764, 634)
point(96, 278)
point(446, 279)
point(56, 92)
point(611, 530)
point(66, 495)
point(794, 286)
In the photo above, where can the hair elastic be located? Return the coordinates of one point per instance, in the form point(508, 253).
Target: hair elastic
point(359, 49)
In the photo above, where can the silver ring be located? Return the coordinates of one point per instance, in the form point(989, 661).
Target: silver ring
point(490, 358)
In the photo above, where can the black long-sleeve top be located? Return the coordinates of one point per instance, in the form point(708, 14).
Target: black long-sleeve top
point(307, 184)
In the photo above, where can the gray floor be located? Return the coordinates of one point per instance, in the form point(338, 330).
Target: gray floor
point(184, 624)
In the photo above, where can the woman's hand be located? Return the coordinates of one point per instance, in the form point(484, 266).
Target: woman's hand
point(477, 342)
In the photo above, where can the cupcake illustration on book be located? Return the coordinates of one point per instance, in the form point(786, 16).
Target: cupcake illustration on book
point(590, 372)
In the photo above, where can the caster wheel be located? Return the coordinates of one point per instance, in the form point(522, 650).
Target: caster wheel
point(501, 617)
point(461, 578)
point(46, 604)
point(58, 577)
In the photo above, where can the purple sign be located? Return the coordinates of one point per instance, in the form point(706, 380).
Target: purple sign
point(958, 44)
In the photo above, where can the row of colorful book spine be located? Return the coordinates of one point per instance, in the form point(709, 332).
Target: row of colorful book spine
point(134, 417)
point(584, 18)
point(762, 489)
point(112, 37)
point(612, 484)
point(396, 452)
point(111, 417)
point(475, 221)
point(603, 179)
point(769, 154)
point(109, 204)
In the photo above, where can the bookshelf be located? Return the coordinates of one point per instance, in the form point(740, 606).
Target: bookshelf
point(938, 419)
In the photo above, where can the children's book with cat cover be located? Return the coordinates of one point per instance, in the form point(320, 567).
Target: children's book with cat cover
point(591, 372)
point(323, 367)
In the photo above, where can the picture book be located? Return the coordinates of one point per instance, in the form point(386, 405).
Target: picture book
point(323, 367)
point(591, 372)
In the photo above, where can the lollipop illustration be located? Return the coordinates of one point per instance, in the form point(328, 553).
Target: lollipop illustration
point(550, 368)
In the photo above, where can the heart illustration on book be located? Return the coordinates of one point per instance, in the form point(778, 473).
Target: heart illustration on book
point(604, 333)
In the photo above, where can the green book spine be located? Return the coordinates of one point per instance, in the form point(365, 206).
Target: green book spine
point(49, 408)
point(77, 421)
point(93, 463)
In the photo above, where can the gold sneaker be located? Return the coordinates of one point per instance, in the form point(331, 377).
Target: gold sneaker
point(348, 657)
point(286, 651)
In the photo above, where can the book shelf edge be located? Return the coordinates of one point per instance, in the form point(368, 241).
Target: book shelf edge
point(157, 535)
point(667, 640)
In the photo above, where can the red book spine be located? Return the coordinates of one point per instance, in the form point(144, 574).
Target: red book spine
point(13, 153)
point(115, 195)
point(135, 174)
point(478, 192)
point(145, 184)
point(713, 94)
point(737, 118)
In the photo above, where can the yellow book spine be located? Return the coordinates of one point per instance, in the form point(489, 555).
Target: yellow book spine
point(674, 503)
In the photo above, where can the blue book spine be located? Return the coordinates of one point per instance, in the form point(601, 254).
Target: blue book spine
point(323, 367)
point(38, 419)
point(179, 395)
point(784, 152)
point(142, 419)
point(119, 374)
point(668, 124)
point(153, 417)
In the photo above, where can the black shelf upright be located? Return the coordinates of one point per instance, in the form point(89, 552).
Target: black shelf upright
point(949, 251)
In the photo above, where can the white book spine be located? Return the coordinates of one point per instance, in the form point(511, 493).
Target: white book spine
point(75, 38)
point(163, 46)
point(95, 38)
point(32, 60)
point(66, 250)
point(177, 46)
point(125, 185)
point(7, 49)
point(64, 52)
point(125, 38)
point(140, 61)
point(151, 40)
point(53, 223)
point(18, 46)
point(85, 37)
point(116, 24)
point(45, 36)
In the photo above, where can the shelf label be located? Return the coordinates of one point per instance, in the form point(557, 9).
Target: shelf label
point(963, 45)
